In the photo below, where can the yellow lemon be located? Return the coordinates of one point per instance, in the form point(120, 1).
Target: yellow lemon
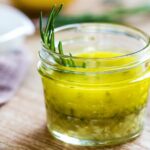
point(39, 4)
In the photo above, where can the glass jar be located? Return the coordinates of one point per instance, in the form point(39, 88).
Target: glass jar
point(102, 102)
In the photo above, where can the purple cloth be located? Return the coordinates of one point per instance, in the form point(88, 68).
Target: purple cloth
point(13, 66)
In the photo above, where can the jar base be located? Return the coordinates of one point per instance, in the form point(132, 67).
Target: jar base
point(81, 142)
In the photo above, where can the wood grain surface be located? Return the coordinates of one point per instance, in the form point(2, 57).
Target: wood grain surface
point(23, 121)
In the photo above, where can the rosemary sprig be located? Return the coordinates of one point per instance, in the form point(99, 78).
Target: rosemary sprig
point(116, 15)
point(48, 37)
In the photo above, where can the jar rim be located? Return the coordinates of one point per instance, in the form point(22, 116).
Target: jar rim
point(125, 26)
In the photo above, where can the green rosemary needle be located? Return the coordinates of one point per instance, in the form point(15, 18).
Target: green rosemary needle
point(48, 37)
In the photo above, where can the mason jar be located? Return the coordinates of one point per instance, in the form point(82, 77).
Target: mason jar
point(101, 100)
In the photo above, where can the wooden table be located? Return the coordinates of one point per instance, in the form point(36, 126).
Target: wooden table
point(22, 120)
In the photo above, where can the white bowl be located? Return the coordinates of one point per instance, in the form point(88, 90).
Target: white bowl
point(14, 27)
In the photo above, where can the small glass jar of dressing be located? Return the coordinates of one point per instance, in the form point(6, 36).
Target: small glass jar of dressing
point(102, 102)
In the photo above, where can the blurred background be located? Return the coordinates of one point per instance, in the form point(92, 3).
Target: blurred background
point(75, 11)
point(85, 11)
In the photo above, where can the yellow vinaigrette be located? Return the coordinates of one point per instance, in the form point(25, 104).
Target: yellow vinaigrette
point(97, 107)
